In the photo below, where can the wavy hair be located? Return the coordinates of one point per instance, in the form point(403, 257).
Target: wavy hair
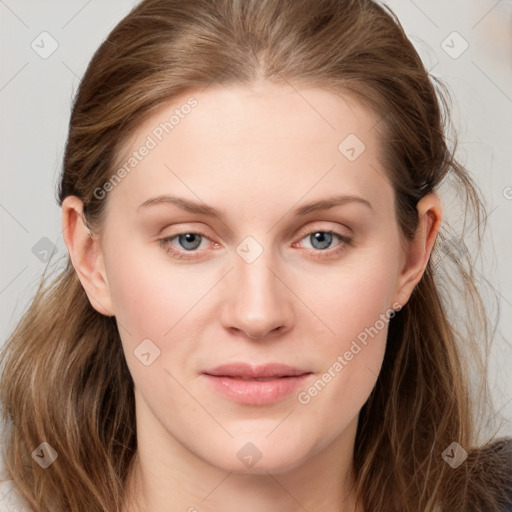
point(65, 379)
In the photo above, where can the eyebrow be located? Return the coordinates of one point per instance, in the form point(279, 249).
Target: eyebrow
point(204, 209)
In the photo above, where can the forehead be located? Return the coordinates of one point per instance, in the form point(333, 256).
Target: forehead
point(264, 139)
point(258, 113)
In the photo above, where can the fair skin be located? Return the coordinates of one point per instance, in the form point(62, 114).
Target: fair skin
point(257, 154)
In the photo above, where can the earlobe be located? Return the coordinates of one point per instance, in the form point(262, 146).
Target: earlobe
point(419, 249)
point(86, 255)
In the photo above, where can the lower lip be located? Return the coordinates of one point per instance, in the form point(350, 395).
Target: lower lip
point(255, 392)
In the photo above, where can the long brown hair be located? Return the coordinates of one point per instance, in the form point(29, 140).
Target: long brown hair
point(65, 378)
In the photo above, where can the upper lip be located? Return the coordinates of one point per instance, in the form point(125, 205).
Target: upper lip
point(247, 371)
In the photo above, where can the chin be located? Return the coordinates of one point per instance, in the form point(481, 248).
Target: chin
point(260, 458)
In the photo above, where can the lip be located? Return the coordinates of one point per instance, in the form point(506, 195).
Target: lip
point(247, 371)
point(237, 381)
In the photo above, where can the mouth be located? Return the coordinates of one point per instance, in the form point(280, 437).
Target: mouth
point(259, 385)
point(256, 379)
point(245, 371)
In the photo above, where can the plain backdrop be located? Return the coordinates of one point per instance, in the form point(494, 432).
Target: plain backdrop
point(46, 45)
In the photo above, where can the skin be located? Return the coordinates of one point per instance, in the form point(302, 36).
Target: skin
point(257, 153)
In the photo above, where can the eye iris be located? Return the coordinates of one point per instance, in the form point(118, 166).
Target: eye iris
point(322, 237)
point(188, 238)
point(319, 240)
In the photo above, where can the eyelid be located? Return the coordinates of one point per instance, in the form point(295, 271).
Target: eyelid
point(309, 230)
point(343, 238)
point(331, 251)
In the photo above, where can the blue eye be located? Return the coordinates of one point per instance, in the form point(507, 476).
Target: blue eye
point(188, 238)
point(321, 241)
point(324, 238)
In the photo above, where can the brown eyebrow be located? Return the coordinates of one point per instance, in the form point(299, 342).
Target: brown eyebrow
point(204, 209)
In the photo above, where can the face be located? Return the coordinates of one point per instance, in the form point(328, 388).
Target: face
point(275, 277)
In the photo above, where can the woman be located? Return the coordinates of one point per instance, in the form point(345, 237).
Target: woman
point(252, 314)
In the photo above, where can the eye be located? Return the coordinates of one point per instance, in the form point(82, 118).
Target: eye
point(322, 240)
point(190, 241)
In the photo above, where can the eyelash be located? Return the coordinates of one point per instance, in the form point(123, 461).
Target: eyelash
point(164, 243)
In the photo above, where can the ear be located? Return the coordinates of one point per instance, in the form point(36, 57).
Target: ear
point(418, 250)
point(86, 255)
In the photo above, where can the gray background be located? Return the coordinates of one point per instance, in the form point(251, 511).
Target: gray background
point(36, 90)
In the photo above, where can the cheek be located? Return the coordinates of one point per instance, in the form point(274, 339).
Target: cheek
point(351, 297)
point(142, 306)
point(150, 311)
point(356, 307)
point(149, 291)
point(150, 303)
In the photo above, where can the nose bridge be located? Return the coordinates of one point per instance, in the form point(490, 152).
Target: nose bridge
point(257, 302)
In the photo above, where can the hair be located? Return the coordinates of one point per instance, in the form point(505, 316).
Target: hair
point(65, 379)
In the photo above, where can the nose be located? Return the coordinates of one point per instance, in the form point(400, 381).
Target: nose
point(258, 302)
